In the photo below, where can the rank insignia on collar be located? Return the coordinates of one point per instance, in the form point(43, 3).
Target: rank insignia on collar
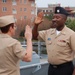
point(49, 39)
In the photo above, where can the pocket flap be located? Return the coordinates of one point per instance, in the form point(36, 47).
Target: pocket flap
point(61, 44)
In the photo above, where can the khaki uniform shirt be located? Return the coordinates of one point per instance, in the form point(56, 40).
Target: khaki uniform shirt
point(10, 54)
point(59, 47)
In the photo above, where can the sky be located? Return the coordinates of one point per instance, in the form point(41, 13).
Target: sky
point(64, 3)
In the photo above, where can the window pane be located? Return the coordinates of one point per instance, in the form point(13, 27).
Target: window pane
point(20, 1)
point(24, 1)
point(14, 2)
point(4, 9)
point(25, 17)
point(25, 9)
point(4, 1)
point(14, 11)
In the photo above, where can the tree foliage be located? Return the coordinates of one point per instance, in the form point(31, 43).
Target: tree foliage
point(71, 24)
point(22, 33)
point(21, 24)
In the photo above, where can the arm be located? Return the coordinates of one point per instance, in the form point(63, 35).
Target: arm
point(35, 32)
point(28, 36)
point(38, 20)
point(73, 42)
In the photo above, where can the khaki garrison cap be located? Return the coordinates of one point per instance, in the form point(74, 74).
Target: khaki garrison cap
point(6, 20)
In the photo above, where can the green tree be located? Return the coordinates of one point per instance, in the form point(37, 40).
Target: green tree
point(68, 21)
point(22, 33)
point(71, 24)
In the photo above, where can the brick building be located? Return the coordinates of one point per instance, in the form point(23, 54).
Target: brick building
point(51, 7)
point(48, 10)
point(21, 9)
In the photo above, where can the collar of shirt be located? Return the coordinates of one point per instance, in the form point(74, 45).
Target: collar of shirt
point(63, 31)
point(4, 36)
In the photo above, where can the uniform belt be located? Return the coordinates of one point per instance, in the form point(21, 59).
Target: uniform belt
point(61, 65)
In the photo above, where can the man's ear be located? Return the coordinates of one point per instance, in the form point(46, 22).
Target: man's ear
point(10, 28)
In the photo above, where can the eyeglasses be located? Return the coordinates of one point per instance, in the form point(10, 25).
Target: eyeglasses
point(15, 27)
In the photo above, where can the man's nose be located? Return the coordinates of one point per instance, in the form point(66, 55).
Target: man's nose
point(54, 19)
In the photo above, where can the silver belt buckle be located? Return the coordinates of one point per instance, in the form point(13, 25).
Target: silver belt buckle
point(55, 66)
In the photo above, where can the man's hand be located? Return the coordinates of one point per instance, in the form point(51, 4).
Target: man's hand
point(28, 33)
point(39, 18)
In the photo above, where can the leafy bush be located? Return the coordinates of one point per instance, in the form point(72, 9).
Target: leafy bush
point(71, 24)
point(22, 33)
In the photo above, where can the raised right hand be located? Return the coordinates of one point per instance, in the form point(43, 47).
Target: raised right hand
point(39, 18)
point(28, 33)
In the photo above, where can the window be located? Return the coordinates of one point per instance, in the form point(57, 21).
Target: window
point(20, 1)
point(25, 17)
point(4, 9)
point(32, 19)
point(43, 10)
point(46, 10)
point(25, 9)
point(32, 11)
point(4, 1)
point(47, 14)
point(44, 15)
point(24, 1)
point(14, 2)
point(21, 17)
point(14, 11)
point(15, 19)
point(50, 10)
point(32, 4)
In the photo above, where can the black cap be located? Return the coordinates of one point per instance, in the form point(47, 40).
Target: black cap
point(61, 10)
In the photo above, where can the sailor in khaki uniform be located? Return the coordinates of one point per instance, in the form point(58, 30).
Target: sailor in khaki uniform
point(60, 43)
point(11, 51)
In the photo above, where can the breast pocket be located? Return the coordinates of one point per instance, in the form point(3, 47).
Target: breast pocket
point(61, 44)
point(61, 47)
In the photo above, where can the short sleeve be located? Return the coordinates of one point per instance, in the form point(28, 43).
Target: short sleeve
point(19, 51)
point(73, 42)
point(42, 35)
